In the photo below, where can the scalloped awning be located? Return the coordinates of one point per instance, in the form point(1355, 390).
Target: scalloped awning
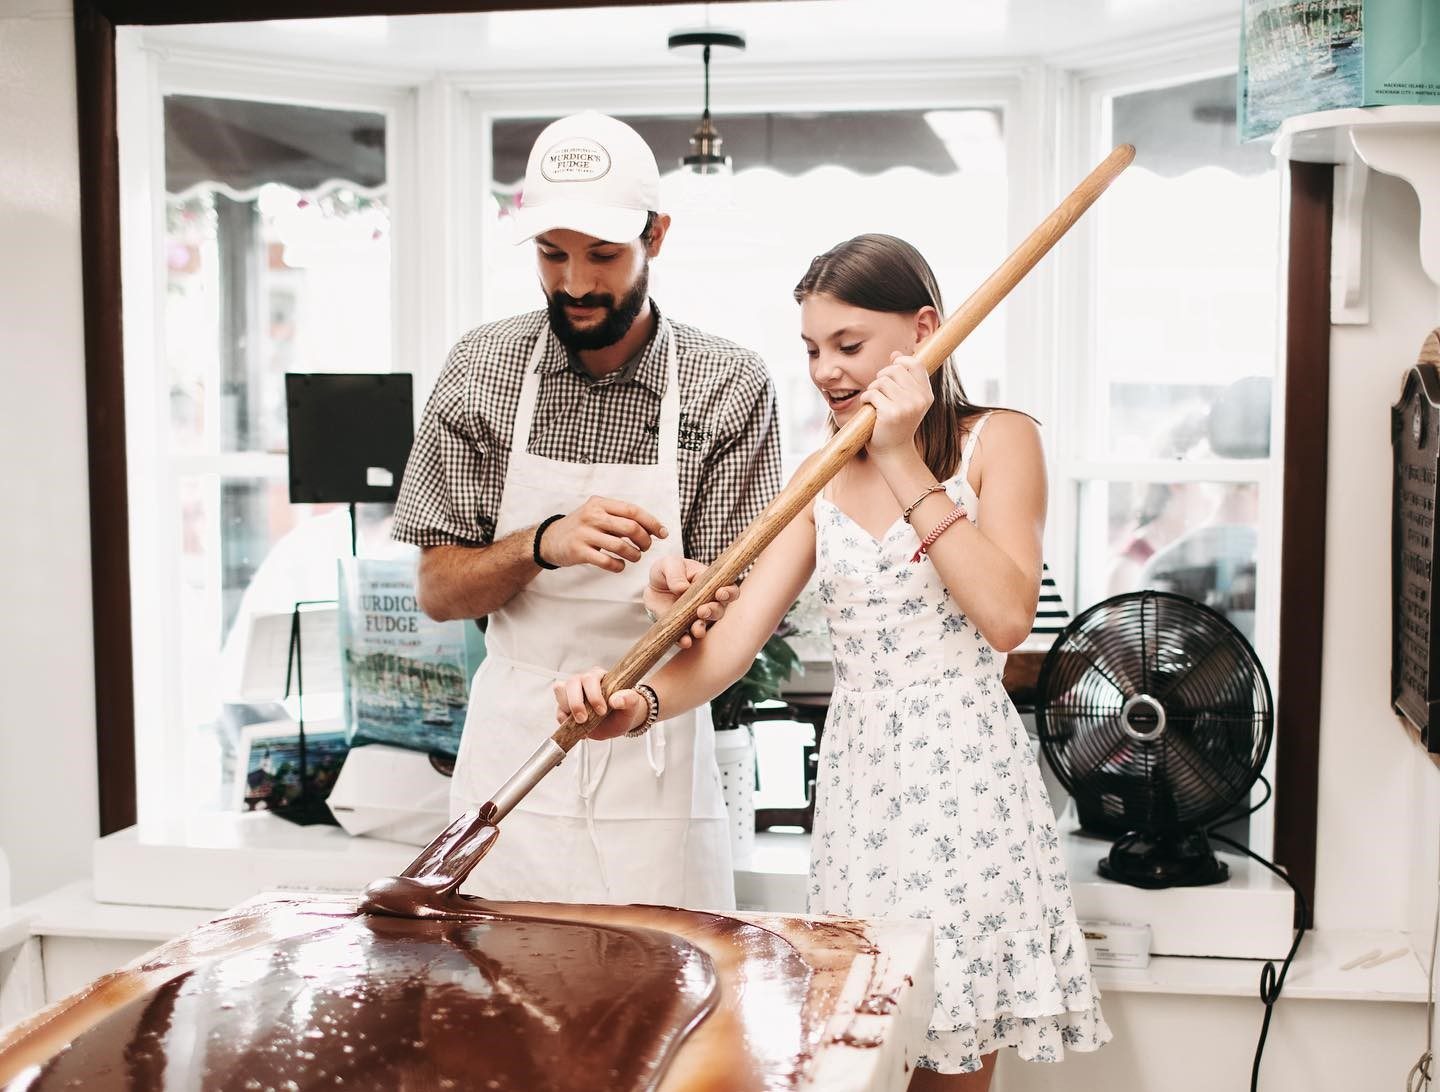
point(239, 145)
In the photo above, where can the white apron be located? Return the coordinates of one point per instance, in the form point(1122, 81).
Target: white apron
point(625, 820)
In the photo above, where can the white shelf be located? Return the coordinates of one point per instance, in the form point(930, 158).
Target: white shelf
point(1324, 136)
point(1403, 141)
point(72, 911)
point(1315, 975)
point(779, 865)
point(216, 861)
point(1247, 917)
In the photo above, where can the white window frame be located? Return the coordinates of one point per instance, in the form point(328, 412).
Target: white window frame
point(145, 75)
point(1009, 87)
point(1053, 136)
point(1085, 97)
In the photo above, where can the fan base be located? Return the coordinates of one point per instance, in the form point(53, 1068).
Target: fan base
point(1145, 860)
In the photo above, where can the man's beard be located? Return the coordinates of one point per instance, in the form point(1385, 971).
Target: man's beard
point(616, 323)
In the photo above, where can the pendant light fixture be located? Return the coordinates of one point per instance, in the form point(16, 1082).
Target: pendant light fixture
point(706, 156)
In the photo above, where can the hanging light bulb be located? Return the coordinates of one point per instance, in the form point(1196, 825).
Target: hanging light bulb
point(706, 154)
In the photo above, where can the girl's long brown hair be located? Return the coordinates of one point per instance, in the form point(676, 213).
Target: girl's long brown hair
point(883, 273)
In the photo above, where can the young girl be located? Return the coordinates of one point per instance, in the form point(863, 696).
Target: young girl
point(929, 801)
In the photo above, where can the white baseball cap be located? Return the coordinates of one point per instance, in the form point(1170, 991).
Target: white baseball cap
point(590, 173)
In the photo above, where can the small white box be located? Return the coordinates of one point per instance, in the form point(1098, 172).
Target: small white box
point(1249, 916)
point(1116, 943)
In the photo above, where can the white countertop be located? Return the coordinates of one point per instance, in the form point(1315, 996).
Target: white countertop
point(775, 873)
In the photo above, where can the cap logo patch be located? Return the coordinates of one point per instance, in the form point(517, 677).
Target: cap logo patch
point(575, 159)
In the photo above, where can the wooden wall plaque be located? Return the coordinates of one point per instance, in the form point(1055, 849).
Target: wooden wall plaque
point(1414, 619)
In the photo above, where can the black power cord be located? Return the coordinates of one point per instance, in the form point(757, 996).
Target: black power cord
point(1271, 983)
point(1418, 1079)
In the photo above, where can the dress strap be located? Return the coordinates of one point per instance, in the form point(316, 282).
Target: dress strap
point(964, 472)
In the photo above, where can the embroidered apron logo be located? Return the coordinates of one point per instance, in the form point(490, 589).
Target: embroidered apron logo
point(575, 159)
point(693, 437)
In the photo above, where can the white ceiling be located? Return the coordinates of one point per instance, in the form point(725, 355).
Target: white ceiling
point(778, 32)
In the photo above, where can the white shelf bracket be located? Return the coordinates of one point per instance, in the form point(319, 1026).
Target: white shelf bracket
point(1411, 152)
point(1349, 249)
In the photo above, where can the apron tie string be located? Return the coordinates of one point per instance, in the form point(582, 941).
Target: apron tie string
point(588, 788)
point(655, 749)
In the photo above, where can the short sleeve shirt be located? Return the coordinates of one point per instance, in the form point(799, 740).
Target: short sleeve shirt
point(729, 430)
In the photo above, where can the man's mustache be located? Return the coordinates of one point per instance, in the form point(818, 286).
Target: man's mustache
point(593, 300)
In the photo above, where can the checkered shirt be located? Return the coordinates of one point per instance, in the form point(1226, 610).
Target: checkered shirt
point(729, 431)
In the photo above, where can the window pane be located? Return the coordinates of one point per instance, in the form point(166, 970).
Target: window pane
point(277, 259)
point(227, 529)
point(801, 184)
point(245, 548)
point(1198, 539)
point(1186, 286)
point(277, 256)
point(245, 551)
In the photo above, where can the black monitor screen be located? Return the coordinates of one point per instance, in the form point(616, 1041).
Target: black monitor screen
point(349, 436)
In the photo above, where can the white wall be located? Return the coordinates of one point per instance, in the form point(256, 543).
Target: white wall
point(1379, 822)
point(1169, 1043)
point(1379, 793)
point(48, 809)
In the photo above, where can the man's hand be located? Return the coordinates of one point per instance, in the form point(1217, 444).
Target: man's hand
point(602, 532)
point(581, 697)
point(670, 578)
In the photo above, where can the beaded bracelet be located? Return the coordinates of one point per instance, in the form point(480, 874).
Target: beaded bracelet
point(653, 699)
point(955, 515)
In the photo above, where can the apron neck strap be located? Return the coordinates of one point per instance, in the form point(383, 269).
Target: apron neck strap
point(669, 421)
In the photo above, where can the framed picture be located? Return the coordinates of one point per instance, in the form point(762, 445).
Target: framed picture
point(268, 771)
point(406, 677)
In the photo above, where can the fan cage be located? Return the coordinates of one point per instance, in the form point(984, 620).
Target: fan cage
point(1214, 735)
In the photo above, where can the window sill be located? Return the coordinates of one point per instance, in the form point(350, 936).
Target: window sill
point(775, 875)
point(1314, 976)
point(780, 859)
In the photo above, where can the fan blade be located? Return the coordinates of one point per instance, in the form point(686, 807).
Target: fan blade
point(1094, 767)
point(1081, 645)
point(1224, 791)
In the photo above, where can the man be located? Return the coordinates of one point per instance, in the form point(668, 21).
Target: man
point(558, 449)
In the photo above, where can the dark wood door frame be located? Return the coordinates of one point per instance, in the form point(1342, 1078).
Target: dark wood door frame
point(1306, 364)
point(1302, 577)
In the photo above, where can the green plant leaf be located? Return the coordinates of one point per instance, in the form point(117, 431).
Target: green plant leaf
point(773, 666)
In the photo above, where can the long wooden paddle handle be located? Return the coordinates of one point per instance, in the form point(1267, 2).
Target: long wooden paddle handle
point(646, 652)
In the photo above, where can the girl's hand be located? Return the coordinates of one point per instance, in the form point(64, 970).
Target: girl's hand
point(901, 396)
point(580, 697)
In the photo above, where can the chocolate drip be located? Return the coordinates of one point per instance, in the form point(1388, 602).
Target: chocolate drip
point(430, 886)
point(879, 1004)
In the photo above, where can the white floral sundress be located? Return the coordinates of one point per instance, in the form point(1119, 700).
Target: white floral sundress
point(929, 802)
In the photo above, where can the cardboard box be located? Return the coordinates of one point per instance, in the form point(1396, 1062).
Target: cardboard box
point(1116, 943)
